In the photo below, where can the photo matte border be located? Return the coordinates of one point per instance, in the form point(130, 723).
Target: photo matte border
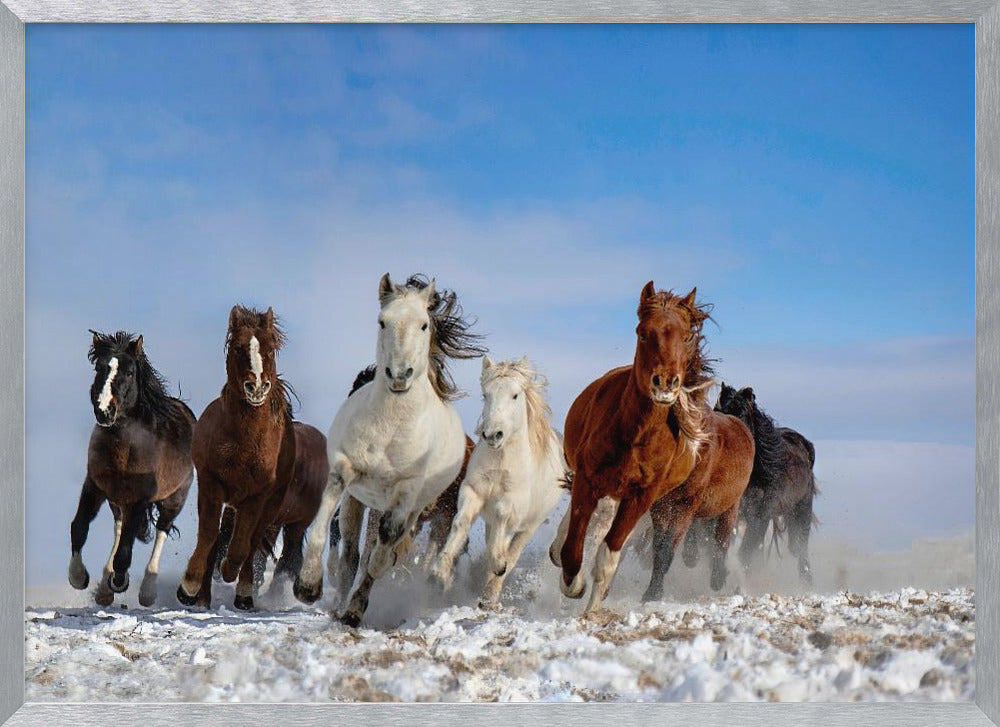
point(986, 16)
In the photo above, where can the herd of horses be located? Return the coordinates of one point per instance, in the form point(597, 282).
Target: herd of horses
point(642, 438)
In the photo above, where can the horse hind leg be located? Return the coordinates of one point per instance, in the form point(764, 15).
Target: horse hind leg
point(724, 525)
point(630, 510)
point(672, 525)
point(494, 584)
point(225, 535)
point(168, 510)
point(308, 585)
point(91, 499)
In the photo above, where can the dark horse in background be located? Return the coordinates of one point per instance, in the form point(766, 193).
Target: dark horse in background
point(139, 460)
point(782, 486)
point(244, 450)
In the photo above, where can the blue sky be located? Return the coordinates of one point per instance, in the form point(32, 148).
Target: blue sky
point(815, 182)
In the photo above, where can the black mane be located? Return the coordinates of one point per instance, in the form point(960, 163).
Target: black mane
point(365, 376)
point(153, 405)
point(769, 454)
point(451, 335)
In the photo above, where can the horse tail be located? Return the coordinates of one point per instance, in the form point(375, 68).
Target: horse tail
point(335, 529)
point(365, 376)
point(143, 529)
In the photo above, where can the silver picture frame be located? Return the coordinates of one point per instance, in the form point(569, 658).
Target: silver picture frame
point(985, 14)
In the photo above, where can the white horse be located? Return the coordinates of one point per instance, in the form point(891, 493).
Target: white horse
point(397, 442)
point(515, 475)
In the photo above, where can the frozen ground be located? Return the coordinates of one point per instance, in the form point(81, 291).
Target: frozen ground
point(886, 626)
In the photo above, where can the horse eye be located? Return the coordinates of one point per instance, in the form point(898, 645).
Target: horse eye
point(642, 336)
point(381, 324)
point(423, 327)
point(515, 396)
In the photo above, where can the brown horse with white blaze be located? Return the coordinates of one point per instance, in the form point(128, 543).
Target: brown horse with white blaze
point(244, 451)
point(634, 434)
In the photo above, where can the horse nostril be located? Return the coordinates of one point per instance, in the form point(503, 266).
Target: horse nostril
point(656, 380)
point(248, 387)
point(676, 382)
point(267, 386)
point(409, 372)
point(498, 436)
point(388, 372)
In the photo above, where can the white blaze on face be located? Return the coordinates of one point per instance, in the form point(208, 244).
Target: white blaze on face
point(104, 398)
point(256, 362)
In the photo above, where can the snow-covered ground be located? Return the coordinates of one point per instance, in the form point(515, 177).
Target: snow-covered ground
point(860, 634)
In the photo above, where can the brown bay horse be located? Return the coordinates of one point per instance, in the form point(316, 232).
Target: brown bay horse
point(711, 494)
point(244, 450)
point(139, 460)
point(634, 434)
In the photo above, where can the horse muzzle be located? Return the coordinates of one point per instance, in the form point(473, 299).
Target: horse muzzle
point(664, 394)
point(256, 395)
point(495, 438)
point(399, 383)
point(106, 419)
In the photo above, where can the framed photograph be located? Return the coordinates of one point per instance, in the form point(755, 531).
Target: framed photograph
point(632, 363)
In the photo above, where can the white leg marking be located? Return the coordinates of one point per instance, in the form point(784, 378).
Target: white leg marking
point(605, 567)
point(114, 548)
point(104, 399)
point(154, 560)
point(256, 362)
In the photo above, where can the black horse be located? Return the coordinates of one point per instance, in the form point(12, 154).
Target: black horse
point(782, 485)
point(139, 461)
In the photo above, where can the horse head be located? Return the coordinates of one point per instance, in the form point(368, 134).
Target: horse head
point(252, 345)
point(668, 339)
point(115, 392)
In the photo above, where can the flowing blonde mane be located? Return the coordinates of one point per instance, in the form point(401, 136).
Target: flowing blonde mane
point(533, 384)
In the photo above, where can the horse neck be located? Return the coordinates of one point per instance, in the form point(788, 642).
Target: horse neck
point(245, 416)
point(637, 414)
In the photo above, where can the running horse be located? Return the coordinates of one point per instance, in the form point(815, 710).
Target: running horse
point(634, 434)
point(244, 448)
point(397, 443)
point(139, 460)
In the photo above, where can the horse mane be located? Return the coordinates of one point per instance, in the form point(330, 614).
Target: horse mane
point(533, 384)
point(450, 337)
point(769, 451)
point(365, 376)
point(251, 317)
point(153, 405)
point(699, 375)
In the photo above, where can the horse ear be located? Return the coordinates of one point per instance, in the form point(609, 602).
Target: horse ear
point(385, 288)
point(232, 317)
point(648, 291)
point(96, 336)
point(689, 300)
point(747, 393)
point(487, 363)
point(429, 293)
point(269, 317)
point(135, 348)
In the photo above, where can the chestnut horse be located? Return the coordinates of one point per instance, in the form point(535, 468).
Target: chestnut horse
point(634, 434)
point(711, 493)
point(244, 451)
point(139, 459)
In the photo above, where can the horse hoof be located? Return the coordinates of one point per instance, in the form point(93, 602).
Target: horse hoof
point(486, 604)
point(184, 598)
point(306, 594)
point(104, 598)
point(351, 619)
point(115, 586)
point(78, 582)
point(147, 592)
point(500, 570)
point(652, 594)
point(718, 581)
point(243, 603)
point(574, 590)
point(554, 556)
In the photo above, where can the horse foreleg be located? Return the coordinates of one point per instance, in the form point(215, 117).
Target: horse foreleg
point(671, 524)
point(309, 582)
point(630, 510)
point(470, 504)
point(581, 507)
point(393, 526)
point(196, 585)
point(752, 544)
point(91, 499)
point(169, 509)
point(494, 584)
point(105, 595)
